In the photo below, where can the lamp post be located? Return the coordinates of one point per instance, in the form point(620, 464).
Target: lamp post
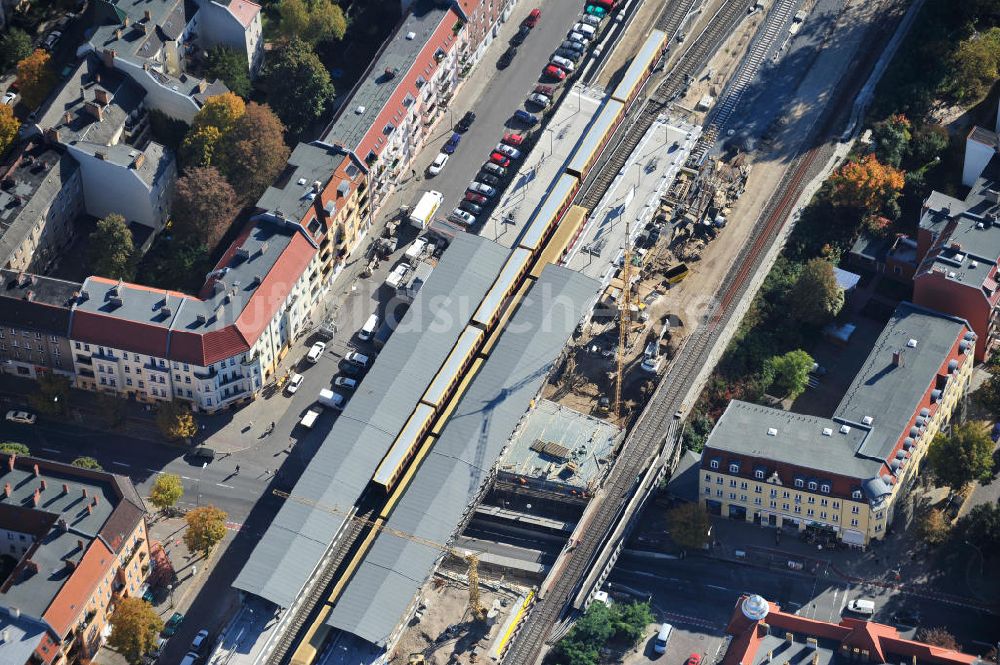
point(170, 590)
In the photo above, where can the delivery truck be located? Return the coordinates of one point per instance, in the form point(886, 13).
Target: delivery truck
point(423, 212)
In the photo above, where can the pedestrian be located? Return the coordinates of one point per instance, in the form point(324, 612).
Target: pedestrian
point(237, 469)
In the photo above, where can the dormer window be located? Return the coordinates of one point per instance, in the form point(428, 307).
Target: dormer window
point(734, 467)
point(714, 464)
point(812, 485)
point(856, 494)
point(799, 483)
point(825, 488)
point(759, 474)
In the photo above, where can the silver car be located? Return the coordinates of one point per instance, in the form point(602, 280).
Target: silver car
point(510, 151)
point(572, 46)
point(480, 188)
point(578, 38)
point(462, 217)
point(539, 99)
point(563, 63)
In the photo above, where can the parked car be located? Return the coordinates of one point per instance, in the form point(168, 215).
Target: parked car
point(540, 100)
point(51, 40)
point(572, 56)
point(452, 144)
point(590, 19)
point(513, 139)
point(507, 57)
point(172, 624)
point(519, 38)
point(585, 29)
point(437, 164)
point(190, 658)
point(554, 72)
point(21, 417)
point(475, 198)
point(532, 20)
point(489, 179)
point(294, 383)
point(355, 358)
point(466, 121)
point(316, 352)
point(862, 606)
point(694, 659)
point(579, 38)
point(547, 90)
point(510, 151)
point(596, 10)
point(462, 217)
point(9, 98)
point(563, 63)
point(499, 159)
point(570, 45)
point(469, 206)
point(495, 169)
point(480, 188)
point(345, 382)
point(199, 640)
point(202, 454)
point(530, 118)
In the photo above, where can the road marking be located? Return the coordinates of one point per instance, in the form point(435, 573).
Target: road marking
point(226, 486)
point(153, 470)
point(122, 464)
point(186, 478)
point(717, 588)
point(50, 450)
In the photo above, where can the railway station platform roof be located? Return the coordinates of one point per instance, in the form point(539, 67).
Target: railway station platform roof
point(540, 171)
point(300, 534)
point(377, 599)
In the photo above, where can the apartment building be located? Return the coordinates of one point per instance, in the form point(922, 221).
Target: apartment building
point(79, 540)
point(850, 474)
point(100, 119)
point(41, 194)
point(483, 19)
point(213, 350)
point(154, 41)
point(760, 632)
point(391, 111)
point(34, 321)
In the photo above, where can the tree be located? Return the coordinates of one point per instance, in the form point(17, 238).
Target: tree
point(816, 298)
point(964, 456)
point(326, 21)
point(928, 142)
point(14, 47)
point(112, 253)
point(299, 85)
point(8, 127)
point(135, 628)
point(206, 527)
point(35, 78)
point(632, 619)
point(938, 637)
point(974, 66)
point(231, 67)
point(988, 394)
point(294, 18)
point(933, 527)
point(52, 396)
point(253, 152)
point(162, 572)
point(111, 410)
point(220, 111)
point(203, 205)
point(689, 525)
point(88, 463)
point(866, 184)
point(571, 652)
point(176, 421)
point(198, 146)
point(981, 527)
point(788, 374)
point(178, 264)
point(14, 448)
point(167, 490)
point(892, 139)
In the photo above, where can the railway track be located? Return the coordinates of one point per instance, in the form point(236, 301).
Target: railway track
point(603, 173)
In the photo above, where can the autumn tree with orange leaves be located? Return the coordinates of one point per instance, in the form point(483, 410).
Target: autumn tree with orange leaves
point(866, 184)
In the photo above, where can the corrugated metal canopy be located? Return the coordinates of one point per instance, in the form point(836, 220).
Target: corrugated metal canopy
point(295, 542)
point(377, 597)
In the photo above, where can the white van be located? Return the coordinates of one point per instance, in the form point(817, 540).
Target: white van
point(367, 330)
point(662, 638)
point(585, 29)
point(862, 606)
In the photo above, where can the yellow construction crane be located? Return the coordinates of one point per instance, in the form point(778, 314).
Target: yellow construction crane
point(471, 558)
point(624, 312)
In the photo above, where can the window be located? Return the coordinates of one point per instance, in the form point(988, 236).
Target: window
point(714, 464)
point(104, 381)
point(836, 517)
point(774, 494)
point(127, 370)
point(774, 504)
point(743, 485)
point(734, 468)
point(732, 496)
point(878, 515)
point(189, 393)
point(209, 401)
point(86, 347)
point(809, 512)
point(137, 357)
point(743, 498)
point(142, 384)
point(718, 493)
point(708, 477)
point(811, 499)
point(77, 346)
point(759, 474)
point(784, 506)
point(854, 522)
point(822, 515)
point(112, 382)
point(812, 485)
point(856, 494)
point(186, 367)
point(757, 501)
point(798, 509)
point(732, 483)
point(128, 381)
point(836, 505)
point(757, 489)
point(878, 527)
point(855, 510)
point(187, 379)
point(823, 502)
point(708, 490)
point(825, 488)
point(799, 482)
point(785, 495)
point(718, 481)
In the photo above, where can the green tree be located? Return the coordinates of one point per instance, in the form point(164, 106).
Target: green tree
point(112, 253)
point(35, 78)
point(203, 205)
point(206, 528)
point(892, 139)
point(299, 85)
point(974, 66)
point(135, 628)
point(198, 146)
point(866, 185)
point(698, 428)
point(166, 130)
point(689, 525)
point(326, 21)
point(111, 410)
point(788, 374)
point(933, 528)
point(964, 456)
point(929, 141)
point(816, 298)
point(88, 463)
point(52, 396)
point(167, 490)
point(179, 264)
point(571, 652)
point(12, 447)
point(14, 47)
point(253, 152)
point(988, 394)
point(176, 421)
point(981, 528)
point(294, 18)
point(632, 620)
point(231, 67)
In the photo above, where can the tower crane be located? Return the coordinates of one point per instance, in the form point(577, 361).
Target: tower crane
point(624, 312)
point(471, 558)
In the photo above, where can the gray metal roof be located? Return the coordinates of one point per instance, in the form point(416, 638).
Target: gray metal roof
point(24, 635)
point(595, 134)
point(641, 63)
point(292, 193)
point(553, 202)
point(377, 597)
point(890, 394)
point(299, 536)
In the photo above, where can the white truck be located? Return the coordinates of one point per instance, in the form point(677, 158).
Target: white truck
point(423, 212)
point(309, 419)
point(330, 399)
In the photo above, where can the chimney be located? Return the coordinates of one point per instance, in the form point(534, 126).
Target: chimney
point(127, 21)
point(84, 492)
point(95, 501)
point(34, 468)
point(897, 358)
point(63, 525)
point(41, 485)
point(118, 33)
point(6, 490)
point(71, 566)
point(102, 96)
point(815, 658)
point(79, 544)
point(108, 56)
point(67, 117)
point(90, 509)
point(100, 155)
point(10, 462)
point(65, 488)
point(35, 497)
point(147, 15)
point(139, 160)
point(789, 637)
point(96, 110)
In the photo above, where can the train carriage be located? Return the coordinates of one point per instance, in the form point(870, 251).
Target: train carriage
point(595, 138)
point(642, 65)
point(511, 276)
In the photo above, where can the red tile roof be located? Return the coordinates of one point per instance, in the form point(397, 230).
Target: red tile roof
point(244, 11)
point(118, 333)
point(72, 598)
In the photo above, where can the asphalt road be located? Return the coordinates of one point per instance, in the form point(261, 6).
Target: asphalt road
point(504, 93)
point(699, 593)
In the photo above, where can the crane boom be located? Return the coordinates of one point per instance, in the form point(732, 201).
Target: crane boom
point(623, 320)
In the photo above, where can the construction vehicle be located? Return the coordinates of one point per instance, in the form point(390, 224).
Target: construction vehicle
point(676, 274)
point(471, 558)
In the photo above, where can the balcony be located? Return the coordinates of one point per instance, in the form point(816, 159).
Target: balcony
point(84, 360)
point(157, 368)
point(227, 379)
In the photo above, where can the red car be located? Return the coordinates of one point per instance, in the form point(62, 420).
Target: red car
point(554, 72)
point(533, 17)
point(478, 199)
point(513, 139)
point(546, 90)
point(608, 4)
point(694, 659)
point(500, 159)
